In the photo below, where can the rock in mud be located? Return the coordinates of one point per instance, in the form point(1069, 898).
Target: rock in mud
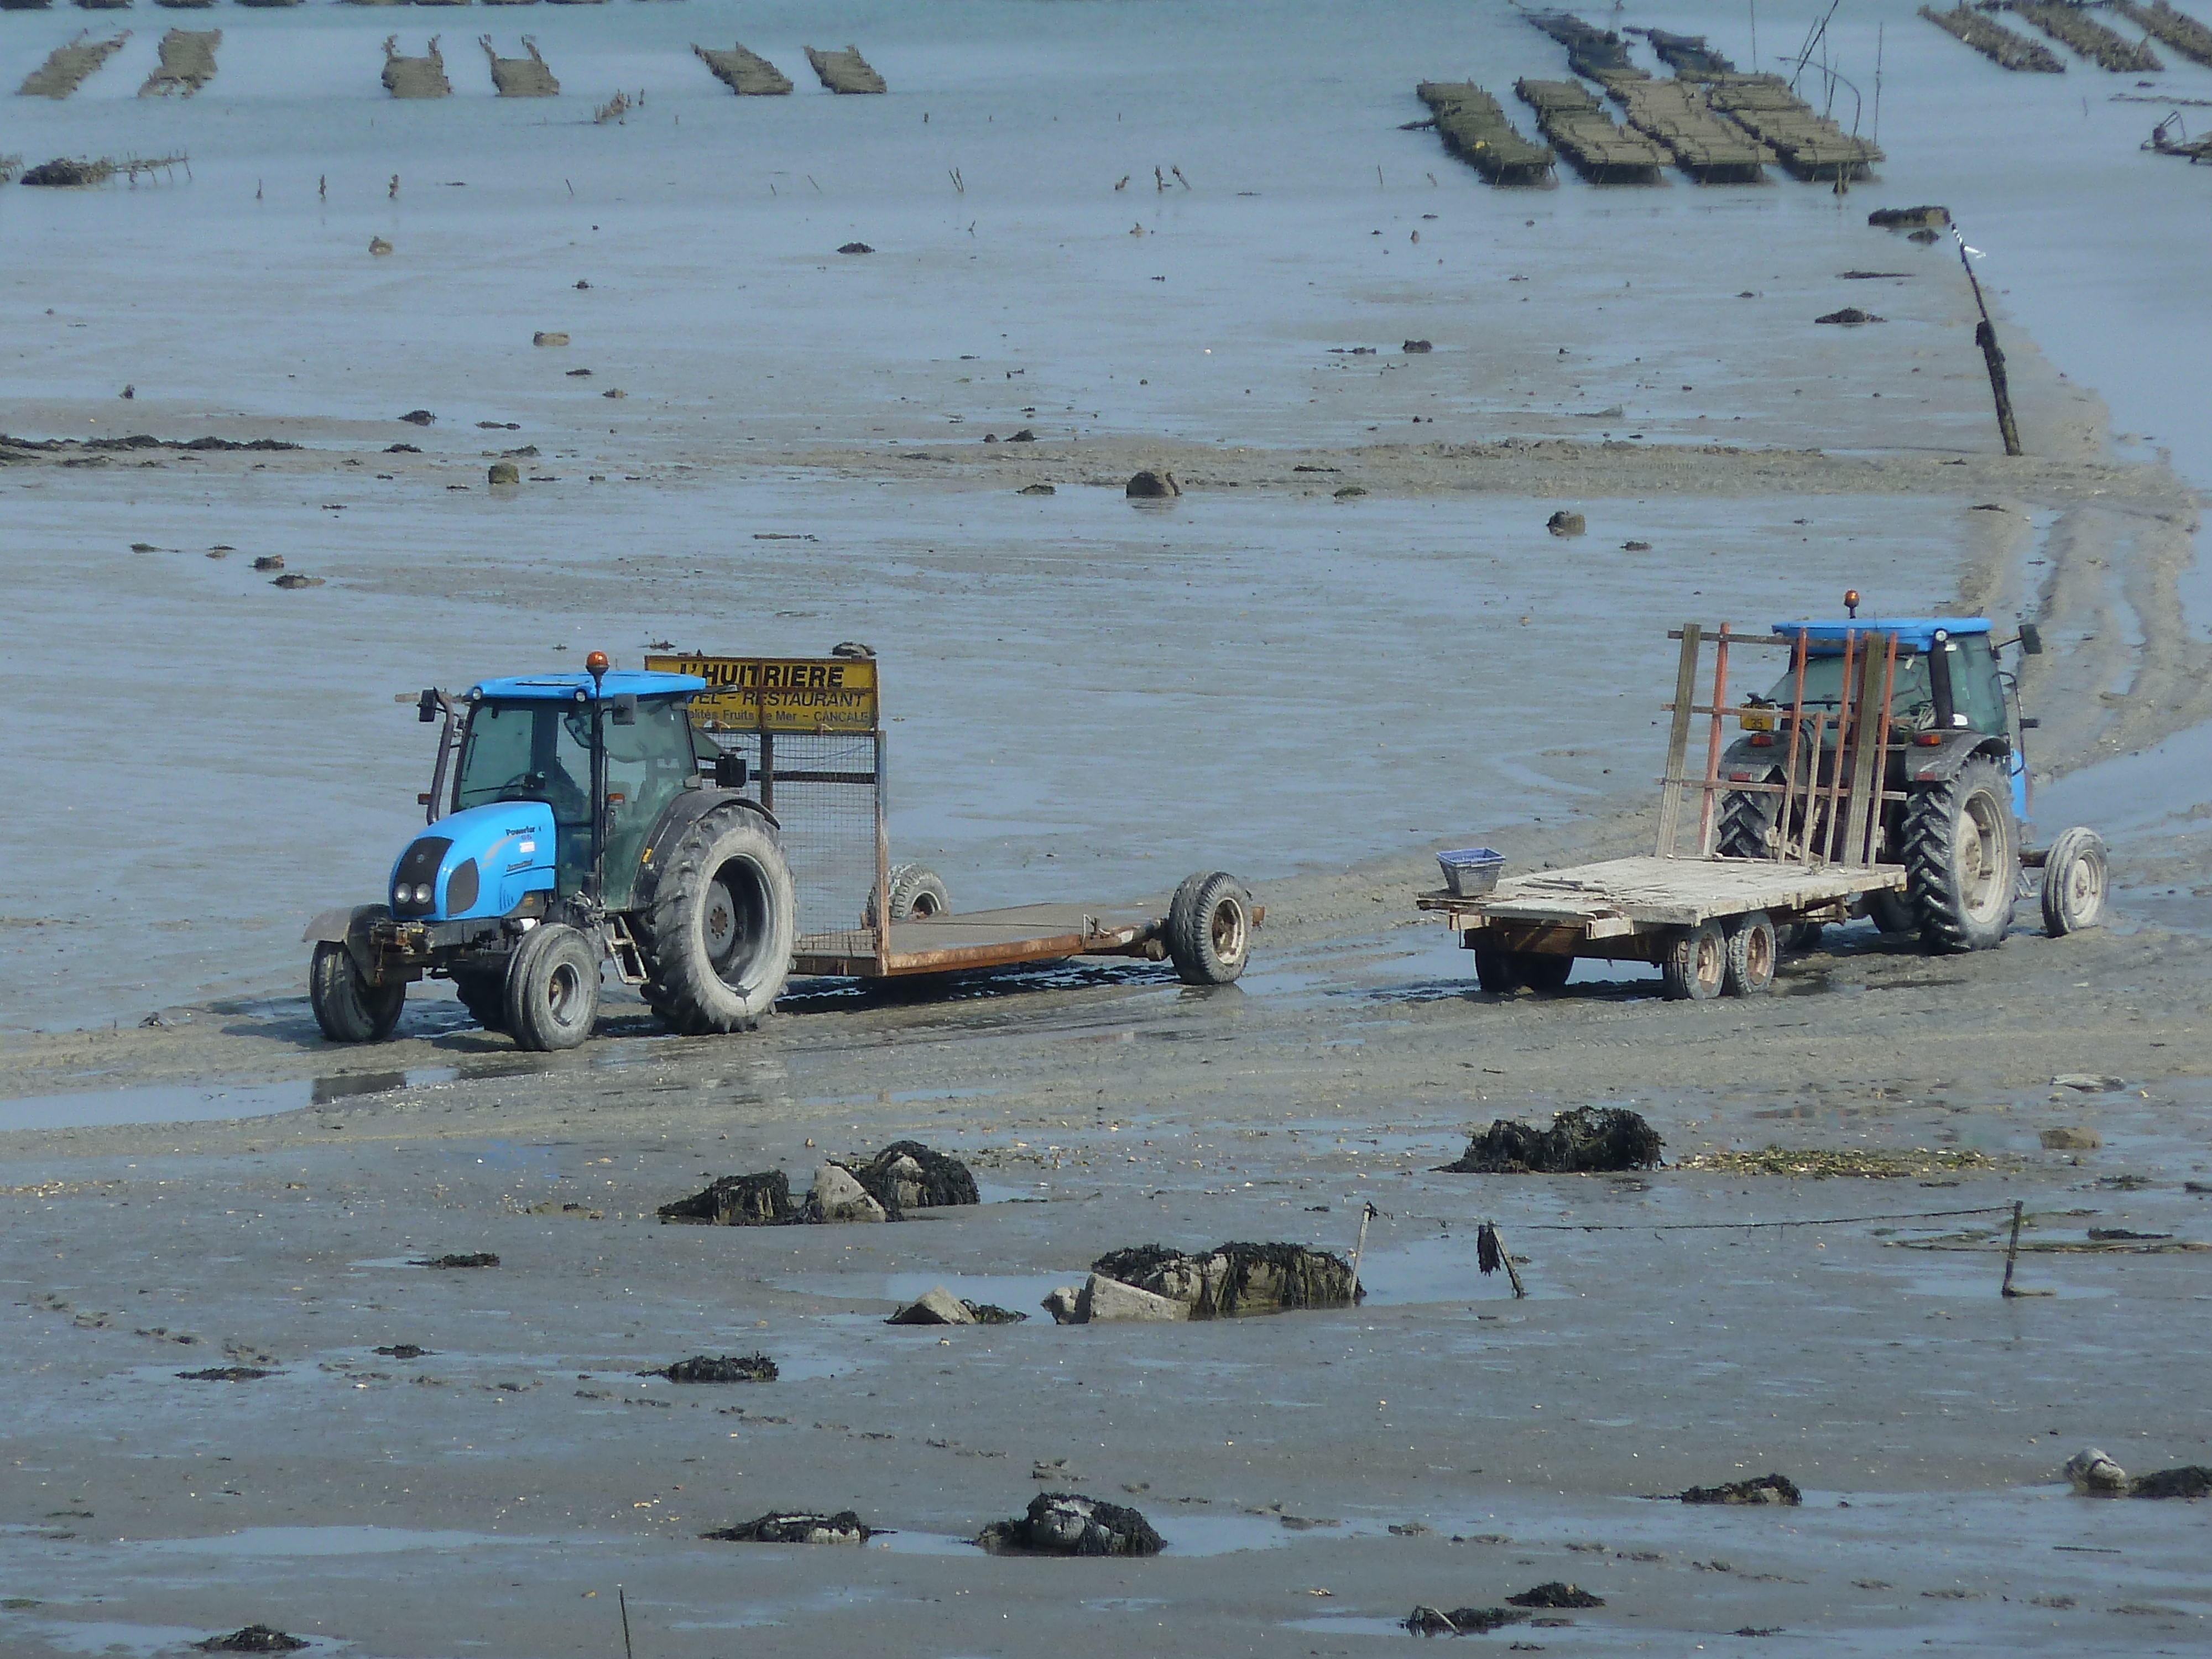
point(1564, 523)
point(2095, 1475)
point(1037, 490)
point(1766, 1489)
point(479, 1259)
point(228, 1373)
point(909, 1175)
point(403, 449)
point(935, 1306)
point(1461, 1621)
point(403, 1351)
point(839, 1197)
point(796, 1526)
point(1909, 218)
point(1556, 1595)
point(745, 1200)
point(266, 562)
point(1232, 1279)
point(504, 472)
point(2192, 1480)
point(1851, 317)
point(379, 246)
point(548, 336)
point(1349, 492)
point(254, 1639)
point(1103, 1301)
point(856, 248)
point(418, 417)
point(1061, 1303)
point(1068, 1523)
point(2071, 1141)
point(1149, 485)
point(1417, 347)
point(1925, 237)
point(720, 1368)
point(1587, 1138)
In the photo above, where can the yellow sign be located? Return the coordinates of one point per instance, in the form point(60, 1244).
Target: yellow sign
point(779, 694)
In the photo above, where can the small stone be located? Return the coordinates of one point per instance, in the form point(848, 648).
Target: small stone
point(547, 337)
point(1351, 492)
point(840, 1197)
point(270, 561)
point(1062, 1303)
point(254, 1639)
point(505, 472)
point(1851, 317)
point(379, 246)
point(1417, 347)
point(935, 1306)
point(1037, 490)
point(2070, 1139)
point(2094, 1474)
point(856, 248)
point(292, 580)
point(1103, 1300)
point(1025, 436)
point(1564, 523)
point(1150, 485)
point(418, 417)
point(614, 392)
point(2085, 1083)
point(1636, 547)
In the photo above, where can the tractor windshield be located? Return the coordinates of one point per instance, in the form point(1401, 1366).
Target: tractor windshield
point(1911, 702)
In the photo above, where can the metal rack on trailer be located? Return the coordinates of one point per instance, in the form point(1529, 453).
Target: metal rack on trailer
point(808, 733)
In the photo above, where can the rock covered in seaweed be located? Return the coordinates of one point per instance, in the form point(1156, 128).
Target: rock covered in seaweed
point(254, 1639)
point(797, 1527)
point(745, 1200)
point(1766, 1489)
point(722, 1368)
point(905, 1176)
point(1068, 1523)
point(1234, 1278)
point(909, 1175)
point(1461, 1621)
point(1588, 1138)
point(1556, 1595)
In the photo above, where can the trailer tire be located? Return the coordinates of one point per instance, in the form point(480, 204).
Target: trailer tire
point(483, 992)
point(1751, 952)
point(1544, 972)
point(718, 939)
point(917, 894)
point(1209, 928)
point(347, 1006)
point(2074, 882)
point(1696, 968)
point(1497, 972)
point(1963, 858)
point(552, 989)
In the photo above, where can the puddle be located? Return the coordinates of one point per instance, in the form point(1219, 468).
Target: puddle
point(184, 1103)
point(108, 1637)
point(291, 1543)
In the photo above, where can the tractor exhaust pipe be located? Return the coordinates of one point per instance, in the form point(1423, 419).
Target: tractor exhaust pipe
point(596, 665)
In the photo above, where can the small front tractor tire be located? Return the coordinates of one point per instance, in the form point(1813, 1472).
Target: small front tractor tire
point(2074, 882)
point(1752, 951)
point(719, 936)
point(552, 991)
point(1209, 928)
point(483, 994)
point(1696, 968)
point(347, 1006)
point(1963, 856)
point(917, 895)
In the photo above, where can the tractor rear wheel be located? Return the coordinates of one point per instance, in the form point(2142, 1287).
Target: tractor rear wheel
point(347, 1006)
point(483, 993)
point(1963, 858)
point(718, 939)
point(2074, 882)
point(1696, 967)
point(552, 990)
point(1746, 823)
point(1752, 951)
point(1209, 929)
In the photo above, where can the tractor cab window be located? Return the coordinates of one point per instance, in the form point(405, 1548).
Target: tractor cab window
point(533, 749)
point(1975, 692)
point(648, 766)
point(1911, 699)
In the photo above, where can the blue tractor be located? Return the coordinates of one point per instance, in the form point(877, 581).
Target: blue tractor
point(574, 821)
point(1955, 781)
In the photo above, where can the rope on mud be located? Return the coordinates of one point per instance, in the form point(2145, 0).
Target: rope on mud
point(1705, 1226)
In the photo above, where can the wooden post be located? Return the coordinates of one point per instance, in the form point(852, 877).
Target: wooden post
point(624, 1601)
point(2012, 1251)
point(883, 853)
point(1866, 750)
point(1790, 766)
point(1505, 1260)
point(1985, 336)
point(1713, 747)
point(1366, 1215)
point(1678, 740)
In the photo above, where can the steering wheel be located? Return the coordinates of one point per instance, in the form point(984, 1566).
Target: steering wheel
point(561, 793)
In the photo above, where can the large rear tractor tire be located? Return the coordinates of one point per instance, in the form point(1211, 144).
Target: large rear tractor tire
point(2074, 882)
point(347, 1006)
point(1696, 968)
point(483, 994)
point(1962, 857)
point(1753, 952)
point(552, 991)
point(1209, 931)
point(917, 895)
point(1747, 823)
point(718, 937)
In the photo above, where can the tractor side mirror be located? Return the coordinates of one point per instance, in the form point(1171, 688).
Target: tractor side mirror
point(624, 709)
point(729, 771)
point(2030, 638)
point(428, 707)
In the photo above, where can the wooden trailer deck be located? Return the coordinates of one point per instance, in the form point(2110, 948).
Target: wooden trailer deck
point(1622, 897)
point(1023, 933)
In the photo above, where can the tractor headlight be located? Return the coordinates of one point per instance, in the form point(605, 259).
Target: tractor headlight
point(421, 892)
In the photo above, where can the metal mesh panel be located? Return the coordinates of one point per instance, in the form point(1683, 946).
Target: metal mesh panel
point(821, 788)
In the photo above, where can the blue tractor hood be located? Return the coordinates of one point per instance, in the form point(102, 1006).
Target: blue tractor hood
point(1825, 639)
point(480, 862)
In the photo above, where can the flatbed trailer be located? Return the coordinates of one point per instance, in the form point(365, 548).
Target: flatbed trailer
point(952, 943)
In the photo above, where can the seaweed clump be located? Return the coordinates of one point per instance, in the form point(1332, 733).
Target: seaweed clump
point(2190, 1480)
point(1236, 1279)
point(724, 1368)
point(1767, 1489)
point(745, 1200)
point(1556, 1595)
point(254, 1639)
point(909, 1175)
point(1588, 1139)
point(797, 1527)
point(1068, 1523)
point(475, 1259)
point(1461, 1621)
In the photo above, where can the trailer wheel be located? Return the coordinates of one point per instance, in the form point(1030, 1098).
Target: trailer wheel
point(1497, 972)
point(2074, 877)
point(718, 940)
point(1696, 968)
point(483, 992)
point(1209, 931)
point(1751, 955)
point(917, 895)
point(552, 990)
point(347, 1006)
point(1544, 971)
point(1963, 860)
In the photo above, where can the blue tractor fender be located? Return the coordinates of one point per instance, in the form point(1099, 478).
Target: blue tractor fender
point(477, 863)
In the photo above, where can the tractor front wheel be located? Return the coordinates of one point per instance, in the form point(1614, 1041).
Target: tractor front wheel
point(347, 1006)
point(718, 939)
point(1963, 858)
point(552, 991)
point(483, 994)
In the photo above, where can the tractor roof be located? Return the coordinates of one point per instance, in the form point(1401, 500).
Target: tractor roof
point(1825, 639)
point(565, 688)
